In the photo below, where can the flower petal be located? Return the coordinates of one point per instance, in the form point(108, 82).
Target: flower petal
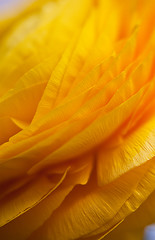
point(99, 131)
point(27, 197)
point(20, 228)
point(126, 152)
point(90, 210)
point(133, 226)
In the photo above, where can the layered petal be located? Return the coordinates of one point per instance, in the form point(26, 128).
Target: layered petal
point(90, 210)
point(77, 120)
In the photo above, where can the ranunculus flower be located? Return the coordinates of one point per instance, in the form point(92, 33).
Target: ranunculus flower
point(77, 120)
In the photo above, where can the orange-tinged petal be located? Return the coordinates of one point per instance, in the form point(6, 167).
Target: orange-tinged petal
point(77, 121)
point(20, 228)
point(123, 153)
point(7, 128)
point(133, 226)
point(90, 210)
point(27, 197)
point(99, 131)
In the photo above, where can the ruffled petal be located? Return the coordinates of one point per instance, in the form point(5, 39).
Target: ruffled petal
point(133, 226)
point(20, 228)
point(26, 197)
point(90, 210)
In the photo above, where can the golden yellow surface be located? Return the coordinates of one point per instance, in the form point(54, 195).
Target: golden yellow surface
point(77, 120)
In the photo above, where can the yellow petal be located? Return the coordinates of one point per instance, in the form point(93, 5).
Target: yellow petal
point(89, 210)
point(7, 128)
point(29, 221)
point(133, 226)
point(123, 153)
point(24, 225)
point(91, 136)
point(67, 21)
point(27, 197)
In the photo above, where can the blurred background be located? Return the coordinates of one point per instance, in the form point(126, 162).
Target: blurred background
point(10, 7)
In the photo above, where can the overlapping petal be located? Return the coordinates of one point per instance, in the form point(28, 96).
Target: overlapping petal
point(77, 121)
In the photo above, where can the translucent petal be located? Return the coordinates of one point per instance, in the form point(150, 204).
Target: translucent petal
point(125, 152)
point(91, 211)
point(92, 136)
point(133, 226)
point(29, 221)
point(27, 197)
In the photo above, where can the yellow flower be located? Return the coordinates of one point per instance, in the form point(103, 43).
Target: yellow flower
point(77, 120)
